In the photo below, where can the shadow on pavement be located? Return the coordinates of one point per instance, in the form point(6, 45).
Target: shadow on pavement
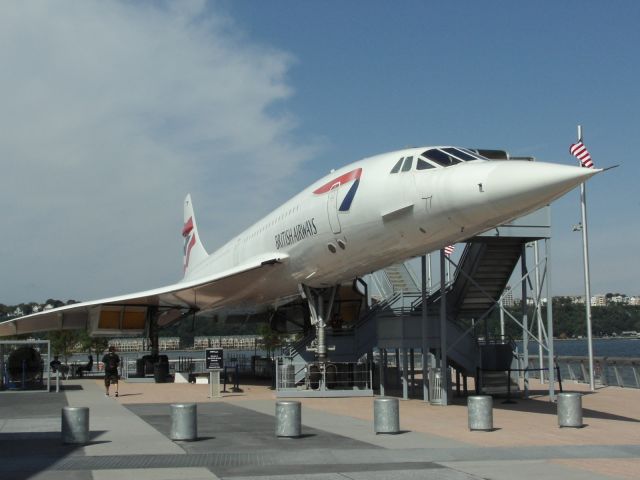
point(27, 454)
point(543, 406)
point(224, 427)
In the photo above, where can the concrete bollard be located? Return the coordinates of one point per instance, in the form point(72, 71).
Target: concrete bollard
point(288, 418)
point(386, 415)
point(570, 410)
point(480, 411)
point(75, 425)
point(184, 421)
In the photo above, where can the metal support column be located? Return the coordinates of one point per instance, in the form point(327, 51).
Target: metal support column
point(398, 379)
point(550, 358)
point(525, 320)
point(425, 345)
point(405, 374)
point(501, 318)
point(444, 376)
point(412, 372)
point(536, 259)
point(383, 368)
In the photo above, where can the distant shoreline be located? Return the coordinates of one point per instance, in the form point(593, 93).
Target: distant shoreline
point(595, 338)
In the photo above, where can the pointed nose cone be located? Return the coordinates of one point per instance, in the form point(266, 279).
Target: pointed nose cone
point(518, 187)
point(482, 195)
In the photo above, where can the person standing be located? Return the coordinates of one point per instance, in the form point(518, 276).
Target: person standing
point(111, 361)
point(55, 364)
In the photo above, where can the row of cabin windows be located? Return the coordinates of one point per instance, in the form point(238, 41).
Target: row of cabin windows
point(271, 223)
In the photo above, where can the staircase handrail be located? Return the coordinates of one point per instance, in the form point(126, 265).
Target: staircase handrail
point(463, 258)
point(296, 347)
point(468, 264)
point(412, 274)
point(433, 296)
point(415, 305)
point(388, 291)
point(376, 308)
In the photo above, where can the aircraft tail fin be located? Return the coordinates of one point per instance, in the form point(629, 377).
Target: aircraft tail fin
point(194, 252)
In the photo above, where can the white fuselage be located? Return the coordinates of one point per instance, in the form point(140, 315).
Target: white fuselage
point(391, 217)
point(355, 220)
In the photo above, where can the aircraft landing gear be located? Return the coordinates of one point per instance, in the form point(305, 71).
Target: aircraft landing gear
point(320, 301)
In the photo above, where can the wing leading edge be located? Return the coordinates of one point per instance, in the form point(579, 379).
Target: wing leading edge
point(127, 314)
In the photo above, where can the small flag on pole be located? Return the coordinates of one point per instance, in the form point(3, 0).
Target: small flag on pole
point(579, 151)
point(448, 250)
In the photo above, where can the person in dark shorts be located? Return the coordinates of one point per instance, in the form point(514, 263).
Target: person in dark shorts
point(111, 361)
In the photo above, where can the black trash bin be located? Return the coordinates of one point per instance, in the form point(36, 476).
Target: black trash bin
point(140, 367)
point(160, 372)
point(149, 362)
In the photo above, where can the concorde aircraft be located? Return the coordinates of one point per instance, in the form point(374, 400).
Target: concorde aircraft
point(357, 219)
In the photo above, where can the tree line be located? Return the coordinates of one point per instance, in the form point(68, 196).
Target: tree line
point(568, 319)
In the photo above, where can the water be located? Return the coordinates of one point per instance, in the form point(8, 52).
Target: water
point(602, 347)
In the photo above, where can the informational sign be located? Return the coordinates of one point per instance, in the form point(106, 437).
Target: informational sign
point(214, 358)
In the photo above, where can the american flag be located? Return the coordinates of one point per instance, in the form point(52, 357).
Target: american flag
point(579, 151)
point(448, 250)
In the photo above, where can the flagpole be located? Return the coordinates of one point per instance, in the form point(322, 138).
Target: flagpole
point(587, 282)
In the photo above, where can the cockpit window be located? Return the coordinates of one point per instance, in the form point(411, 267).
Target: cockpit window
point(396, 167)
point(408, 162)
point(424, 165)
point(460, 154)
point(476, 155)
point(440, 157)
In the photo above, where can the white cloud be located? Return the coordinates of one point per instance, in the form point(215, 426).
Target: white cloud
point(111, 113)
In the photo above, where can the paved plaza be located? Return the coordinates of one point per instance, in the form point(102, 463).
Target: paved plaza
point(236, 439)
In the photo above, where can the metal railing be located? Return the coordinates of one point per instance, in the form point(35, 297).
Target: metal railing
point(191, 365)
point(315, 376)
point(608, 371)
point(510, 378)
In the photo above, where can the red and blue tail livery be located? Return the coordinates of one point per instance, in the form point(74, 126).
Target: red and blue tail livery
point(193, 251)
point(353, 175)
point(189, 240)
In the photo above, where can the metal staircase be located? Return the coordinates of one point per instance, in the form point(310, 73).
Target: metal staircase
point(394, 320)
point(483, 272)
point(402, 278)
point(482, 275)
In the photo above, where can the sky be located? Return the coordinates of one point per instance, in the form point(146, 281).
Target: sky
point(113, 111)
